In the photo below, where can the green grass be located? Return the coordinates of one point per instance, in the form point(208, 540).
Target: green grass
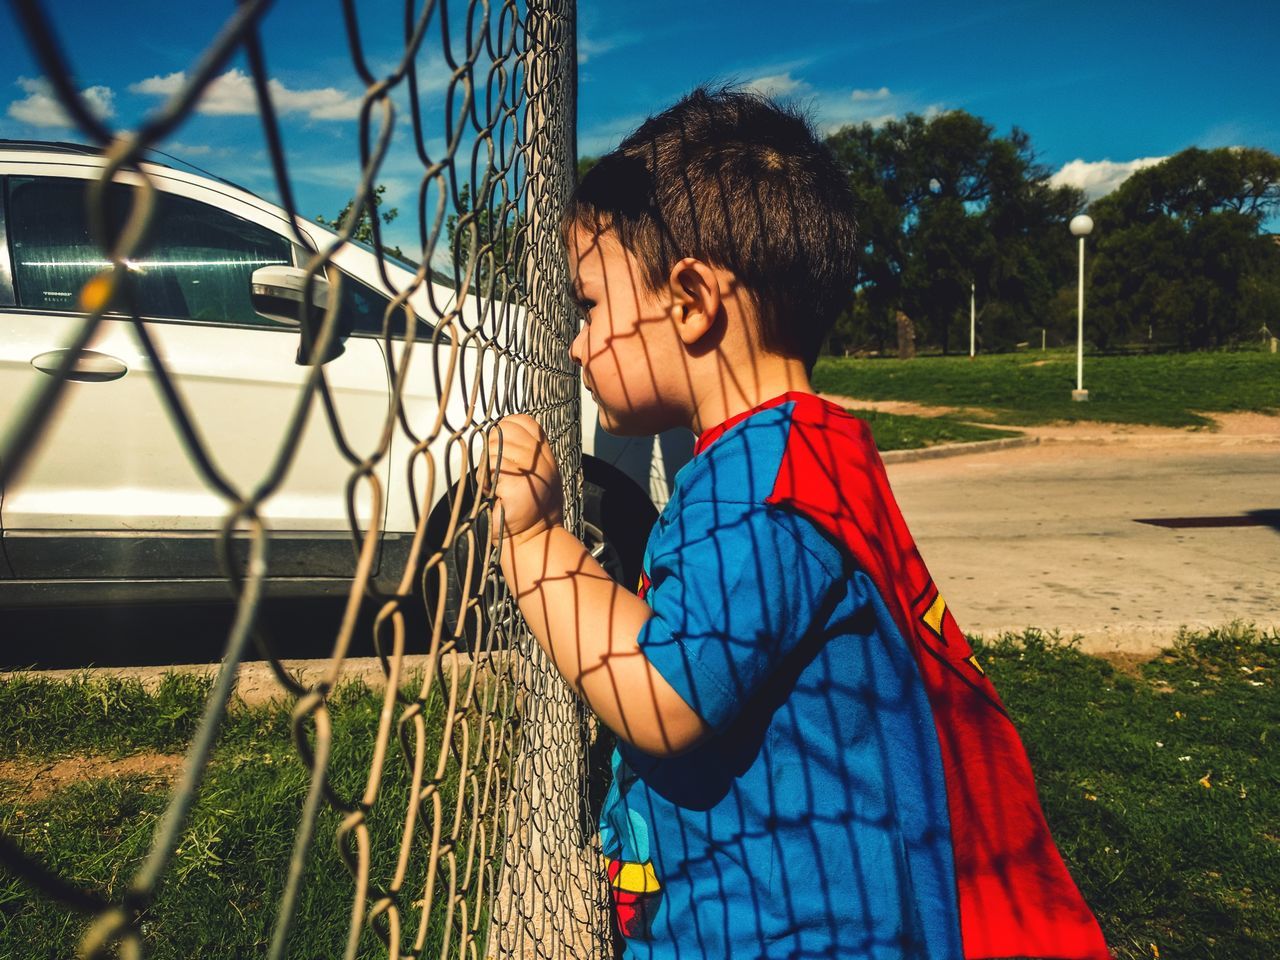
point(1032, 387)
point(223, 885)
point(896, 431)
point(1121, 762)
point(1161, 858)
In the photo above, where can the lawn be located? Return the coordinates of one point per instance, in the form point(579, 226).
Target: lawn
point(1034, 387)
point(896, 431)
point(1161, 785)
point(227, 876)
point(1160, 781)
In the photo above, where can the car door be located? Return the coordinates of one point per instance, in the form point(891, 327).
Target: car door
point(111, 492)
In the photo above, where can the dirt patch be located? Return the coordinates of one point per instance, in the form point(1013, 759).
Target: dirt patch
point(1227, 429)
point(1246, 424)
point(1130, 664)
point(40, 779)
point(910, 407)
point(256, 683)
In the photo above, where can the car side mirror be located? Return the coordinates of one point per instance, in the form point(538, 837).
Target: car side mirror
point(276, 293)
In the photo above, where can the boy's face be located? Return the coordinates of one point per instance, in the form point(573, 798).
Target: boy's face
point(631, 356)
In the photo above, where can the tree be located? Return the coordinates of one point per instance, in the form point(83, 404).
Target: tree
point(943, 203)
point(363, 232)
point(498, 244)
point(1180, 250)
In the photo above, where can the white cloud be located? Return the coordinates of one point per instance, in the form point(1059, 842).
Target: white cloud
point(876, 107)
point(191, 152)
point(879, 119)
point(1097, 178)
point(830, 108)
point(325, 103)
point(777, 85)
point(160, 86)
point(40, 108)
point(590, 47)
point(190, 149)
point(859, 96)
point(606, 135)
point(232, 94)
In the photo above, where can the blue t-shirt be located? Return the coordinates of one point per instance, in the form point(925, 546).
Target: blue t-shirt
point(813, 821)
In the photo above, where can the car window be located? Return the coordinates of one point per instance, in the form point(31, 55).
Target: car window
point(6, 276)
point(196, 263)
point(364, 308)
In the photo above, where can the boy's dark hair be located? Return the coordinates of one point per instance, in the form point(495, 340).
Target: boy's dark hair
point(740, 182)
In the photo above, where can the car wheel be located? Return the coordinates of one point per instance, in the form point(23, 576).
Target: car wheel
point(462, 590)
point(616, 519)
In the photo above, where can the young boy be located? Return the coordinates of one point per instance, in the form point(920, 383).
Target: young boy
point(811, 761)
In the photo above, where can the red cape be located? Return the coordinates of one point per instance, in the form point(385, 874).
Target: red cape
point(1015, 894)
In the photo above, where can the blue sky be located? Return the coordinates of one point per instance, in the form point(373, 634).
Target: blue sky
point(1102, 87)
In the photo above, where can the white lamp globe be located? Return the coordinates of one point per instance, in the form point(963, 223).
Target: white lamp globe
point(1081, 226)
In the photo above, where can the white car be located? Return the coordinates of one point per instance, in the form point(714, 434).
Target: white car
point(110, 506)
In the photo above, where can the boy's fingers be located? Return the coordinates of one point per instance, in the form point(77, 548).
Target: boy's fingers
point(522, 442)
point(520, 471)
point(524, 423)
point(519, 460)
point(508, 450)
point(515, 429)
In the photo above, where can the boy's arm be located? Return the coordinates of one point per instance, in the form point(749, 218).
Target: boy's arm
point(587, 623)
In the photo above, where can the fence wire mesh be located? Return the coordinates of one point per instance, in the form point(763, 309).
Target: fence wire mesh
point(494, 854)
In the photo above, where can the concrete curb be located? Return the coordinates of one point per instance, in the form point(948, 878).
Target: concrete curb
point(958, 449)
point(1170, 439)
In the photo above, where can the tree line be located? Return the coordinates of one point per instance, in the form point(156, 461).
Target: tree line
point(484, 240)
point(950, 211)
point(1181, 254)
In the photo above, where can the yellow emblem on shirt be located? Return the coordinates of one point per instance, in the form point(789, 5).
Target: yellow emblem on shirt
point(637, 878)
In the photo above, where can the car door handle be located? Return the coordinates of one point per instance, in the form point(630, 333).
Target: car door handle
point(89, 366)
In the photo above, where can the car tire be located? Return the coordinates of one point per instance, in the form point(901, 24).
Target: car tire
point(617, 517)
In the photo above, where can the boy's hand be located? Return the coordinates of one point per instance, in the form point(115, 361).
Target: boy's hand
point(527, 481)
point(586, 623)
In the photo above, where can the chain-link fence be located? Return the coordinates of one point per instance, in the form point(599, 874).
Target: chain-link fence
point(495, 853)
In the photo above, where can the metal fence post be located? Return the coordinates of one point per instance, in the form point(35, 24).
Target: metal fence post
point(551, 898)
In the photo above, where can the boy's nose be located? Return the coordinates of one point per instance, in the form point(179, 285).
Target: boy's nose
point(578, 347)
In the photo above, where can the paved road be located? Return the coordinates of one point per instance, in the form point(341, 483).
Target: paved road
point(1046, 536)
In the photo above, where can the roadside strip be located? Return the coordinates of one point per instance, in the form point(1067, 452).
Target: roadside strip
point(957, 449)
point(255, 682)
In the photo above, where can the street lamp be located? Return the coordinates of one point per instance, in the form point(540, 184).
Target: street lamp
point(973, 314)
point(1081, 227)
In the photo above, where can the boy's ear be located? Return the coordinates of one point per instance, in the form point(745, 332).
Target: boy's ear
point(695, 296)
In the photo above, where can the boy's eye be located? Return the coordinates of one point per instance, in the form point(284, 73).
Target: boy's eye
point(584, 307)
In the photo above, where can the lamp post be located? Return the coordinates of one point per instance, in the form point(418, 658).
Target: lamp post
point(973, 302)
point(1081, 227)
